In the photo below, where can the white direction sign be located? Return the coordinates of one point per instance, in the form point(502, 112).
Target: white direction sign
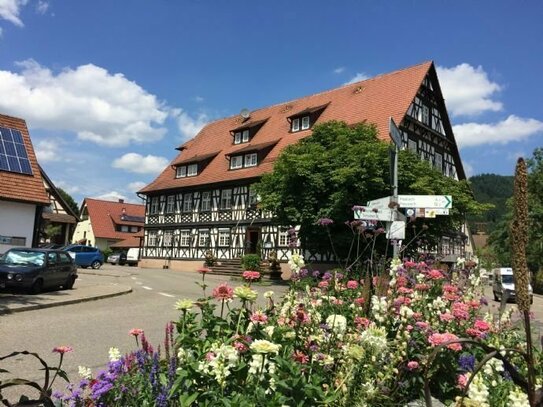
point(381, 203)
point(425, 201)
point(366, 213)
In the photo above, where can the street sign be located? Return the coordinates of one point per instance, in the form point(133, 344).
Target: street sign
point(395, 133)
point(380, 203)
point(396, 230)
point(425, 201)
point(367, 213)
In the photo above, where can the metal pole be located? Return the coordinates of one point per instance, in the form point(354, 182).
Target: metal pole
point(396, 248)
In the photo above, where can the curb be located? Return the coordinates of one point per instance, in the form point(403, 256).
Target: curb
point(66, 302)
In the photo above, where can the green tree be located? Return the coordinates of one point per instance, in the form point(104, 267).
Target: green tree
point(69, 200)
point(339, 166)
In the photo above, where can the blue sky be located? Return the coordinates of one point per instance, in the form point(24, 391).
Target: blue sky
point(110, 88)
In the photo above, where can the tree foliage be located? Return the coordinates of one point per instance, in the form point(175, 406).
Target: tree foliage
point(339, 166)
point(69, 200)
point(493, 189)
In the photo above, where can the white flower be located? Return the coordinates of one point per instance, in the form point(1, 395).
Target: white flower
point(295, 262)
point(374, 339)
point(84, 372)
point(114, 354)
point(394, 265)
point(268, 294)
point(518, 399)
point(264, 346)
point(269, 330)
point(478, 391)
point(338, 323)
point(182, 354)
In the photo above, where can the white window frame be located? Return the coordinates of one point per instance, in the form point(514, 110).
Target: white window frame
point(167, 238)
point(151, 238)
point(192, 170)
point(245, 136)
point(153, 209)
point(181, 171)
point(125, 228)
point(252, 198)
point(170, 204)
point(425, 115)
point(282, 239)
point(236, 162)
point(226, 199)
point(203, 237)
point(206, 201)
point(184, 238)
point(295, 125)
point(224, 237)
point(251, 160)
point(412, 145)
point(187, 202)
point(438, 161)
point(134, 229)
point(237, 137)
point(305, 123)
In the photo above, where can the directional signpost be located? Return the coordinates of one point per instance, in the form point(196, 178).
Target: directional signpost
point(425, 201)
point(365, 213)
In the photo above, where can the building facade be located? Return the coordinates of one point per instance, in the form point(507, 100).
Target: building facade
point(204, 200)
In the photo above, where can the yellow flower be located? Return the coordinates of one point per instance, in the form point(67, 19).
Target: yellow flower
point(184, 304)
point(245, 293)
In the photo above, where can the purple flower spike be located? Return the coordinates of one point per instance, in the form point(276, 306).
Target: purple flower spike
point(324, 222)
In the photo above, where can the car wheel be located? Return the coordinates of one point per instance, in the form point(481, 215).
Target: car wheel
point(37, 287)
point(96, 264)
point(69, 283)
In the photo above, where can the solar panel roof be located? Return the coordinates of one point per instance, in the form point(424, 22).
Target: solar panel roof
point(13, 155)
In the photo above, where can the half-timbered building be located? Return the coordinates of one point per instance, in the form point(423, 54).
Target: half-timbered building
point(204, 200)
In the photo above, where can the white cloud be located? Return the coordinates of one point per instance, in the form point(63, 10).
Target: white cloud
point(70, 189)
point(48, 150)
point(136, 186)
point(42, 6)
point(139, 164)
point(1, 32)
point(103, 108)
point(10, 10)
point(468, 168)
point(189, 126)
point(360, 76)
point(339, 69)
point(513, 128)
point(468, 91)
point(111, 196)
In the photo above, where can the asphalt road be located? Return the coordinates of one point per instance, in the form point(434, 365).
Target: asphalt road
point(91, 328)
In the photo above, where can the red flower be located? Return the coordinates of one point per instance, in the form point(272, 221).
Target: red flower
point(203, 270)
point(135, 332)
point(251, 275)
point(223, 292)
point(63, 349)
point(300, 357)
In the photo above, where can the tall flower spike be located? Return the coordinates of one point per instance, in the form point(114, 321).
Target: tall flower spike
point(519, 235)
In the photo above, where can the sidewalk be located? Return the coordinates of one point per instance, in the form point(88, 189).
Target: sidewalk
point(15, 302)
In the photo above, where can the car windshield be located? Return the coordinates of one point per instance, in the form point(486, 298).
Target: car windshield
point(507, 279)
point(24, 258)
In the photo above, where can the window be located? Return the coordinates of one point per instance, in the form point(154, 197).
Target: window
point(187, 202)
point(203, 237)
point(184, 238)
point(167, 238)
point(52, 258)
point(412, 145)
point(170, 204)
point(236, 162)
point(224, 237)
point(253, 197)
point(154, 205)
point(283, 238)
point(151, 238)
point(192, 170)
point(64, 258)
point(206, 201)
point(245, 136)
point(305, 122)
point(124, 228)
point(226, 199)
point(295, 125)
point(250, 160)
point(181, 171)
point(237, 138)
point(425, 114)
point(438, 161)
point(134, 229)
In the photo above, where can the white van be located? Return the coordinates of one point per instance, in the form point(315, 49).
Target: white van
point(504, 284)
point(133, 256)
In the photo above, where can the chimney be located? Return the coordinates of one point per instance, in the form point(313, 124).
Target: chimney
point(121, 200)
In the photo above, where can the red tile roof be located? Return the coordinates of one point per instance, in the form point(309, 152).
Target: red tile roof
point(374, 100)
point(104, 215)
point(22, 187)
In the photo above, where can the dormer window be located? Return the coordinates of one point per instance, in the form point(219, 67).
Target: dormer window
point(295, 125)
point(236, 162)
point(183, 171)
point(192, 170)
point(305, 124)
point(250, 160)
point(241, 137)
point(303, 120)
point(243, 161)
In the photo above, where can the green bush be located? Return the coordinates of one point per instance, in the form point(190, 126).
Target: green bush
point(107, 252)
point(251, 262)
point(538, 282)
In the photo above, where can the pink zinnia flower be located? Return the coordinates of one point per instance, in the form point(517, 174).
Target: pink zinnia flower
point(135, 332)
point(63, 349)
point(422, 325)
point(446, 317)
point(352, 285)
point(438, 339)
point(413, 365)
point(300, 357)
point(240, 347)
point(359, 301)
point(301, 317)
point(474, 333)
point(460, 310)
point(449, 288)
point(405, 290)
point(251, 275)
point(435, 275)
point(481, 325)
point(258, 317)
point(323, 284)
point(409, 264)
point(401, 281)
point(204, 270)
point(422, 287)
point(223, 292)
point(361, 322)
point(462, 380)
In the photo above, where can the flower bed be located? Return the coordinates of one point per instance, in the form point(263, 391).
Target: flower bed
point(333, 339)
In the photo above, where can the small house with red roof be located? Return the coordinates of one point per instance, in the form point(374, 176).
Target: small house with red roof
point(108, 224)
point(204, 201)
point(22, 193)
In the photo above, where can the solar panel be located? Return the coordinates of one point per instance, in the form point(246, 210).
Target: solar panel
point(131, 218)
point(13, 155)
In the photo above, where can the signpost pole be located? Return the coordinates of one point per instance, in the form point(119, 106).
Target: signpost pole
point(396, 137)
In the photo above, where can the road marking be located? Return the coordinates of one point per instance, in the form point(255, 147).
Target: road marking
point(139, 282)
point(147, 288)
point(167, 295)
point(133, 278)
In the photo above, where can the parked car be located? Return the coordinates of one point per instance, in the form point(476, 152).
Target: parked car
point(117, 258)
point(85, 256)
point(36, 269)
point(133, 256)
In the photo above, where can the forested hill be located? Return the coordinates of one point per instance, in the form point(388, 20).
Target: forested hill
point(494, 189)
